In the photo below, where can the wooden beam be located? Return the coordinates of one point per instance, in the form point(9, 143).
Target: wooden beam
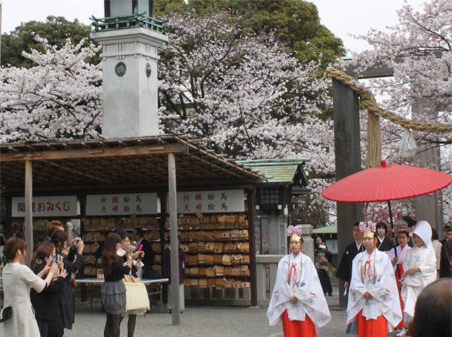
point(141, 186)
point(28, 223)
point(174, 240)
point(95, 152)
point(377, 71)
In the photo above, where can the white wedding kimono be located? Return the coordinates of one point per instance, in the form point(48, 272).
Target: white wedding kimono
point(374, 274)
point(304, 285)
point(424, 258)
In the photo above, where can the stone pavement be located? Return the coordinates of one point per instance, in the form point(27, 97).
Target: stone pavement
point(199, 321)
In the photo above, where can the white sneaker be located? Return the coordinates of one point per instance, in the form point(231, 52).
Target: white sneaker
point(401, 333)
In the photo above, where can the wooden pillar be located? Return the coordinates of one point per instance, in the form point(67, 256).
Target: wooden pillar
point(28, 223)
point(251, 201)
point(174, 240)
point(348, 161)
point(429, 207)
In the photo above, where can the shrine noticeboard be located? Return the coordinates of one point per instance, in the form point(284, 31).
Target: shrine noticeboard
point(55, 206)
point(122, 204)
point(223, 201)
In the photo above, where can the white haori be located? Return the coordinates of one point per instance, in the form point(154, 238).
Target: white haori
point(424, 258)
point(374, 274)
point(297, 276)
point(401, 255)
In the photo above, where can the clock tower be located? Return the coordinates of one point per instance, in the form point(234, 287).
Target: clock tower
point(130, 39)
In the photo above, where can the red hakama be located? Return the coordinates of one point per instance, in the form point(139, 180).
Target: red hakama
point(297, 328)
point(371, 327)
point(401, 325)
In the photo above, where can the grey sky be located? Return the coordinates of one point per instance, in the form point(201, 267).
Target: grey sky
point(342, 17)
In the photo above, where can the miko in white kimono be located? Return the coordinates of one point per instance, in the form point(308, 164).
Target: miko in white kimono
point(419, 268)
point(297, 299)
point(374, 299)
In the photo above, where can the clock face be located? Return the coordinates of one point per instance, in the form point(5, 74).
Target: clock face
point(148, 70)
point(120, 69)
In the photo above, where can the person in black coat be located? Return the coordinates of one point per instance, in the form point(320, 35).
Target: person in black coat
point(322, 256)
point(64, 299)
point(447, 234)
point(384, 243)
point(148, 258)
point(344, 271)
point(44, 303)
point(445, 267)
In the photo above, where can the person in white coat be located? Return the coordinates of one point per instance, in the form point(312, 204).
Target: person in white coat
point(18, 279)
point(297, 298)
point(374, 299)
point(419, 268)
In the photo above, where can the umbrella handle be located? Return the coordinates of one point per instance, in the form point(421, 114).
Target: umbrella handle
point(392, 225)
point(390, 213)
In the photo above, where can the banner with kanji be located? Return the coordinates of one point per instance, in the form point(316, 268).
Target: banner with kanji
point(223, 201)
point(122, 204)
point(55, 206)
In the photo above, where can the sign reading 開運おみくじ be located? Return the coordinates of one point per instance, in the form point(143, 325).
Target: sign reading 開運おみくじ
point(58, 205)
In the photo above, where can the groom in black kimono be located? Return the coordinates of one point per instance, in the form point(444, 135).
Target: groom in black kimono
point(344, 272)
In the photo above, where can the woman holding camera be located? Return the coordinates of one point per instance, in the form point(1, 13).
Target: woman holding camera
point(44, 303)
point(113, 290)
point(64, 298)
point(18, 279)
point(127, 251)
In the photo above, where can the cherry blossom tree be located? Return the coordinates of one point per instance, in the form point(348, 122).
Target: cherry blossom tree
point(245, 96)
point(60, 97)
point(419, 49)
point(248, 98)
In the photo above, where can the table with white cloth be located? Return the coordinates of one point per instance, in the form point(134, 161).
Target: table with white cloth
point(153, 286)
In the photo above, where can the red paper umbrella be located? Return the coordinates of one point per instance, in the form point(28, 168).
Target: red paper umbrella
point(387, 182)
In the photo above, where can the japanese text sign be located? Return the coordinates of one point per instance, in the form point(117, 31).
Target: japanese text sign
point(61, 205)
point(122, 204)
point(211, 201)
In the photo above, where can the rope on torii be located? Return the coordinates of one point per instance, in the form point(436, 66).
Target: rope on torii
point(367, 99)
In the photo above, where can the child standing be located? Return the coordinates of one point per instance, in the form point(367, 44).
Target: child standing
point(397, 261)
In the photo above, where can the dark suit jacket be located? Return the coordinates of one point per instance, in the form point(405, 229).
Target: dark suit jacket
point(385, 245)
point(344, 272)
point(148, 259)
point(65, 295)
point(445, 266)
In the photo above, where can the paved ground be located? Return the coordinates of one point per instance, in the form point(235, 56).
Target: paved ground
point(196, 321)
point(201, 321)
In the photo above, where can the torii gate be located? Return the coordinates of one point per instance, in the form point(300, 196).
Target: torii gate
point(348, 161)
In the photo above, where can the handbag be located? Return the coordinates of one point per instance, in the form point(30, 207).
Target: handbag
point(137, 299)
point(6, 314)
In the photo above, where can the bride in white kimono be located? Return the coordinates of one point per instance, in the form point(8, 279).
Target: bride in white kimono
point(297, 297)
point(419, 268)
